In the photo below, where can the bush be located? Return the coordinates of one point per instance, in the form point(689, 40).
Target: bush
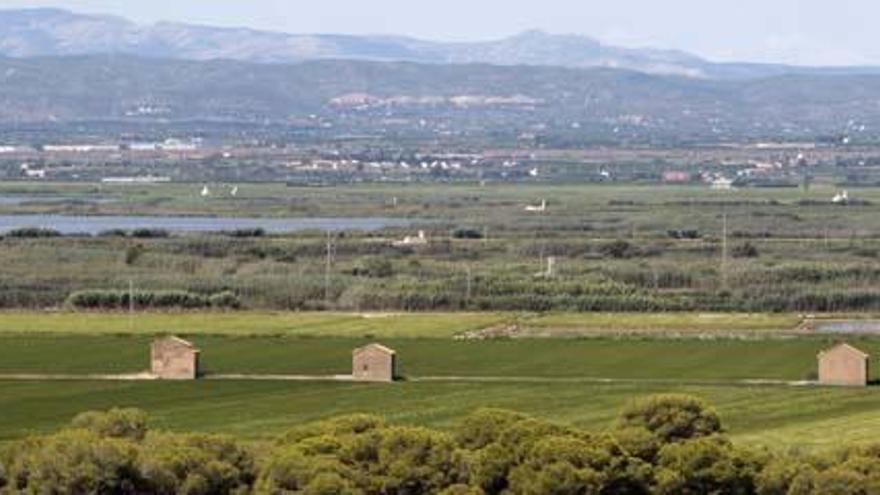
point(225, 300)
point(747, 250)
point(115, 423)
point(133, 253)
point(467, 233)
point(618, 249)
point(671, 417)
point(173, 299)
point(245, 233)
point(374, 267)
point(684, 234)
point(145, 233)
point(491, 452)
point(33, 233)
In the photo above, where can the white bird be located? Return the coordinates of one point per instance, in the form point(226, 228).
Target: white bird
point(841, 198)
point(206, 192)
point(421, 240)
point(539, 208)
point(533, 172)
point(234, 191)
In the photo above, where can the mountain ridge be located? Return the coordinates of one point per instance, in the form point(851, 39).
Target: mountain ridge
point(357, 97)
point(58, 32)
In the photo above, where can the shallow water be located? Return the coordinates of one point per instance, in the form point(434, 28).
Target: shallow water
point(850, 326)
point(68, 224)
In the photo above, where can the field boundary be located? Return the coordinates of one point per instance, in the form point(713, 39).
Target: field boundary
point(414, 379)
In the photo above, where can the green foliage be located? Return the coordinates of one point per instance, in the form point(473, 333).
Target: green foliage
point(746, 250)
point(704, 465)
point(32, 233)
point(133, 253)
point(74, 461)
point(671, 417)
point(618, 249)
point(245, 233)
point(115, 423)
point(361, 455)
point(467, 233)
point(146, 233)
point(374, 267)
point(195, 464)
point(173, 299)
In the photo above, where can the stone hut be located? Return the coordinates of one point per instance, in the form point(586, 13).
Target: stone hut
point(374, 363)
point(172, 358)
point(843, 365)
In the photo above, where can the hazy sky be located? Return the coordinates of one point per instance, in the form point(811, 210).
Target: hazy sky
point(828, 32)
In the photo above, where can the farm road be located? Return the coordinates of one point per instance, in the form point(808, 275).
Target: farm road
point(348, 378)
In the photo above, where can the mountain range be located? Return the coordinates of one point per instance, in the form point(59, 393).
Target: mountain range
point(56, 32)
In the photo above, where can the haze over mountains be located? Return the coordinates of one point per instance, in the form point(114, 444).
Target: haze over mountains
point(56, 66)
point(55, 32)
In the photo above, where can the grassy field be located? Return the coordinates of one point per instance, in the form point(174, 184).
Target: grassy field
point(777, 417)
point(618, 247)
point(380, 325)
point(548, 377)
point(251, 323)
point(675, 360)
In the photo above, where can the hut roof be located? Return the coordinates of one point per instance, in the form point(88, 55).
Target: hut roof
point(377, 347)
point(848, 348)
point(179, 341)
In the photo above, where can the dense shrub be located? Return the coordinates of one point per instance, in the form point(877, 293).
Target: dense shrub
point(684, 234)
point(147, 233)
point(245, 233)
point(32, 233)
point(374, 266)
point(661, 445)
point(747, 250)
point(467, 233)
point(618, 249)
point(113, 233)
point(120, 300)
point(133, 253)
point(671, 417)
point(115, 423)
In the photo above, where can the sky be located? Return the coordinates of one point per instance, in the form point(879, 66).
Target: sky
point(804, 32)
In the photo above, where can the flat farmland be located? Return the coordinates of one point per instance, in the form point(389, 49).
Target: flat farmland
point(383, 325)
point(773, 416)
point(752, 379)
point(684, 360)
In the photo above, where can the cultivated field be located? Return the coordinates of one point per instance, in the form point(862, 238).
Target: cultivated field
point(754, 380)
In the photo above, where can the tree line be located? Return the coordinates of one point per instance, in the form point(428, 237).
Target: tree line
point(664, 444)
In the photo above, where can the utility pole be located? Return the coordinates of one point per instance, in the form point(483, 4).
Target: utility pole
point(469, 284)
point(130, 306)
point(328, 264)
point(724, 252)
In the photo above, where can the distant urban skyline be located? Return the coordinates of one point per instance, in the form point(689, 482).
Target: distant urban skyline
point(803, 32)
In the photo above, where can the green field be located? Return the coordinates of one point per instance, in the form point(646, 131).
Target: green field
point(771, 416)
point(685, 360)
point(581, 381)
point(381, 325)
point(384, 325)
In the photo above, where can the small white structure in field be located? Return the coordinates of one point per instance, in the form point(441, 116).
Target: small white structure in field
point(419, 240)
point(722, 184)
point(550, 272)
point(538, 208)
point(841, 198)
point(205, 192)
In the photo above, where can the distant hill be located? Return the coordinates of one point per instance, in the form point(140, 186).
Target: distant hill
point(535, 100)
point(53, 32)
